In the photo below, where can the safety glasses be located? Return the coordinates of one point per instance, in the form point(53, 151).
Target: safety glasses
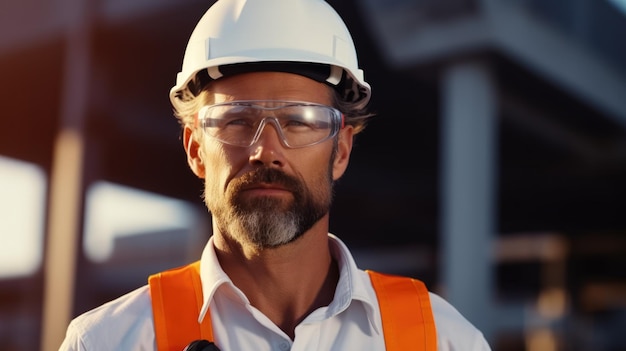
point(298, 124)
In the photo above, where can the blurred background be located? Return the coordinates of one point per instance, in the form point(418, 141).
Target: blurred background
point(495, 170)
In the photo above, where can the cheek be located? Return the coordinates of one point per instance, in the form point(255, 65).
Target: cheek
point(322, 188)
point(220, 166)
point(217, 172)
point(216, 180)
point(318, 172)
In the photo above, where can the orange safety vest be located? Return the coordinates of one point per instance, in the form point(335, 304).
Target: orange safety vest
point(407, 316)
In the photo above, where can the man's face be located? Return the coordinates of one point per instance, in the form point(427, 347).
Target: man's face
point(267, 195)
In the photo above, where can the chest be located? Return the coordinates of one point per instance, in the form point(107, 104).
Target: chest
point(241, 327)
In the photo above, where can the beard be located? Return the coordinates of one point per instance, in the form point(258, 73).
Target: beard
point(269, 222)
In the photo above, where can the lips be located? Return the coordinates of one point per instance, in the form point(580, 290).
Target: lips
point(261, 186)
point(265, 188)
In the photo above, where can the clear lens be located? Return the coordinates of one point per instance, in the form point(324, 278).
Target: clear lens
point(298, 124)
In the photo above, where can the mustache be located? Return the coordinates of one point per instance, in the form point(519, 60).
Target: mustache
point(269, 176)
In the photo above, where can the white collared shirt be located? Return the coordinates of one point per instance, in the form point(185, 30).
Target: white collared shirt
point(350, 322)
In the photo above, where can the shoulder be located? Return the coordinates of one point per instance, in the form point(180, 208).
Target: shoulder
point(454, 331)
point(123, 323)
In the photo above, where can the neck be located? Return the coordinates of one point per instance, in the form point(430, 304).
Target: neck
point(286, 283)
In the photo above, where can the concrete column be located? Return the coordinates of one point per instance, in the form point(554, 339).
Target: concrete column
point(66, 179)
point(468, 187)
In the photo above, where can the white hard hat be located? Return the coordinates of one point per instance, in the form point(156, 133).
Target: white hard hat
point(300, 36)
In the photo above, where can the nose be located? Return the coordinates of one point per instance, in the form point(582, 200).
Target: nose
point(268, 147)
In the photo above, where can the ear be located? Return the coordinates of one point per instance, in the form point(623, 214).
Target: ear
point(344, 149)
point(192, 148)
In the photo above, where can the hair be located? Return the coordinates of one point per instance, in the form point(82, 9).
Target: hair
point(356, 113)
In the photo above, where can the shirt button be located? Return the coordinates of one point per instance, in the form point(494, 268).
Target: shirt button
point(284, 346)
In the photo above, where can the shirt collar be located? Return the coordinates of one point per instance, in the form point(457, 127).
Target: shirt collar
point(350, 287)
point(212, 277)
point(353, 285)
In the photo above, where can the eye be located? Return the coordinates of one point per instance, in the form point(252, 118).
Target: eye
point(239, 117)
point(230, 121)
point(295, 121)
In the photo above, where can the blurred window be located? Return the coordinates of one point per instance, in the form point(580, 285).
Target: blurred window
point(113, 211)
point(22, 213)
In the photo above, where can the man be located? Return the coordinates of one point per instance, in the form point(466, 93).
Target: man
point(270, 97)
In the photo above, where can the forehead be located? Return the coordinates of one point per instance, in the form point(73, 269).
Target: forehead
point(270, 86)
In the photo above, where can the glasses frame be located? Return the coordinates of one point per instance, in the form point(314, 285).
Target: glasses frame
point(337, 121)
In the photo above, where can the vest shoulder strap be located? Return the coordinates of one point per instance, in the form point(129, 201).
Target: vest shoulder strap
point(176, 302)
point(404, 302)
point(406, 312)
